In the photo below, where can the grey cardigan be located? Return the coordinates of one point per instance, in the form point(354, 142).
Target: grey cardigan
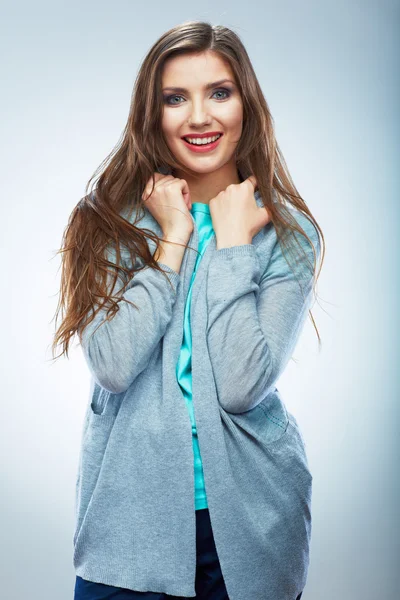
point(135, 515)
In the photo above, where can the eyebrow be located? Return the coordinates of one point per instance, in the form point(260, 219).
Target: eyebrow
point(206, 87)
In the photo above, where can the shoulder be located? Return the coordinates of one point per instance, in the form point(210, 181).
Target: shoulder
point(296, 238)
point(268, 236)
point(295, 254)
point(308, 227)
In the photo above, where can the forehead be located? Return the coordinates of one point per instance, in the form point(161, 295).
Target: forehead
point(195, 70)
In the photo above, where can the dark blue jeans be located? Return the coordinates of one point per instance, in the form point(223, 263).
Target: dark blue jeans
point(209, 582)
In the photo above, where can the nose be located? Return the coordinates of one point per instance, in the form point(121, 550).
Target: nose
point(198, 115)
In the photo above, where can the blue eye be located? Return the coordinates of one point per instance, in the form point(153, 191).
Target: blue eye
point(227, 92)
point(168, 98)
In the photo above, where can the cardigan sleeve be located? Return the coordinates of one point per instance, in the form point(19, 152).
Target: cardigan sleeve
point(255, 319)
point(121, 347)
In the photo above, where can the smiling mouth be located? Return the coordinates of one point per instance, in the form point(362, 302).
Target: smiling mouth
point(197, 141)
point(202, 147)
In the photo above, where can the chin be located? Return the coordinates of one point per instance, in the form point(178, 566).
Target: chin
point(202, 168)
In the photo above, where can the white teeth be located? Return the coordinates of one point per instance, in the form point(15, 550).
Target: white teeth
point(201, 141)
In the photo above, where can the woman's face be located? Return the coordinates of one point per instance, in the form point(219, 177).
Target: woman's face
point(195, 108)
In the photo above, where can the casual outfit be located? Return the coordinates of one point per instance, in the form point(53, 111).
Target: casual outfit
point(185, 425)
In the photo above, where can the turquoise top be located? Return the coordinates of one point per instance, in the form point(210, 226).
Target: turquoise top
point(202, 217)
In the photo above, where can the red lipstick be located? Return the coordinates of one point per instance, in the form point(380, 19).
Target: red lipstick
point(202, 147)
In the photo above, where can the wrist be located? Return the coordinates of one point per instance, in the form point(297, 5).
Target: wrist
point(176, 236)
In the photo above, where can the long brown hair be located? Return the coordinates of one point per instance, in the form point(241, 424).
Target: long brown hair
point(96, 223)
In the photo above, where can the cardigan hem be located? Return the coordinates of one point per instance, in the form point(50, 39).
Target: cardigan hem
point(132, 583)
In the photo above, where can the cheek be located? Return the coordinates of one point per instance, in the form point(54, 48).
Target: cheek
point(170, 124)
point(232, 117)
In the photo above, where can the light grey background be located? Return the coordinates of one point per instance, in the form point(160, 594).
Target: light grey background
point(330, 75)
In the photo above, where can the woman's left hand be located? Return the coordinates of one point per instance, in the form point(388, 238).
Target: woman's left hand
point(235, 215)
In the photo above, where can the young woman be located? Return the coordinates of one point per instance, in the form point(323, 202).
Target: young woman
point(188, 273)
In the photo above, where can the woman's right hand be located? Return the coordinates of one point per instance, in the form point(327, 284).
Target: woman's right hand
point(169, 203)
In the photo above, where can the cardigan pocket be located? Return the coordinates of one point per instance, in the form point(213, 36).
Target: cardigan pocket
point(277, 422)
point(104, 405)
point(271, 419)
point(93, 447)
point(100, 397)
point(267, 422)
point(280, 436)
point(292, 457)
point(289, 452)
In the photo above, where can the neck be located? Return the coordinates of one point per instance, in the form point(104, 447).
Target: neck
point(208, 185)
